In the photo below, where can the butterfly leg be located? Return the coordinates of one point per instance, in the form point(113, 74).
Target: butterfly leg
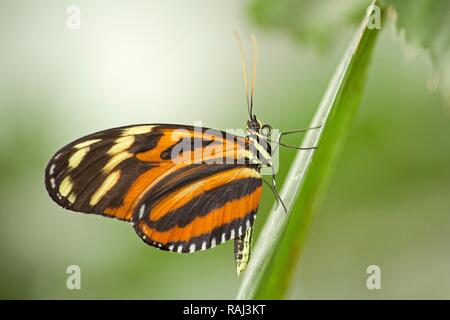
point(298, 148)
point(278, 142)
point(274, 188)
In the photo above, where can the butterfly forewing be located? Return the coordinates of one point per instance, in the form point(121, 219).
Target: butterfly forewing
point(92, 173)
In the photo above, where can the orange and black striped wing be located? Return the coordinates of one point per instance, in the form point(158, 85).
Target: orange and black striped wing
point(109, 172)
point(199, 207)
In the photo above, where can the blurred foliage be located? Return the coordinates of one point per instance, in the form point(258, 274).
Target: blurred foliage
point(310, 21)
point(426, 23)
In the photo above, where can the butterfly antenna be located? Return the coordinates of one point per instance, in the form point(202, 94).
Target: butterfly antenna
point(254, 63)
point(244, 71)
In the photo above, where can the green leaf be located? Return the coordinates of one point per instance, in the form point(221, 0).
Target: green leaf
point(283, 236)
point(426, 24)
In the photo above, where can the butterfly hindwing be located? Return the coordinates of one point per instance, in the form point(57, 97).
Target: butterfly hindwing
point(204, 206)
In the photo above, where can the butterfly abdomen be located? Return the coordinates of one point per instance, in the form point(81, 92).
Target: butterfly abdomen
point(242, 250)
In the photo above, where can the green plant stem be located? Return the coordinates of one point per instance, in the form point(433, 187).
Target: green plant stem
point(283, 236)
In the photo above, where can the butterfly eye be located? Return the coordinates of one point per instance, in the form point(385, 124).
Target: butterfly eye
point(253, 125)
point(266, 130)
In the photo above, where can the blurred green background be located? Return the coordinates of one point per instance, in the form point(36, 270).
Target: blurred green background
point(177, 62)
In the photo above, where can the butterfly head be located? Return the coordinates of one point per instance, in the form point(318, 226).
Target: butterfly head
point(255, 125)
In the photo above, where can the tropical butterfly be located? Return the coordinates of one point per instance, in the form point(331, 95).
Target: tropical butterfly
point(183, 188)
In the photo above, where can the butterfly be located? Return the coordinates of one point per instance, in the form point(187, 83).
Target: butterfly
point(182, 188)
